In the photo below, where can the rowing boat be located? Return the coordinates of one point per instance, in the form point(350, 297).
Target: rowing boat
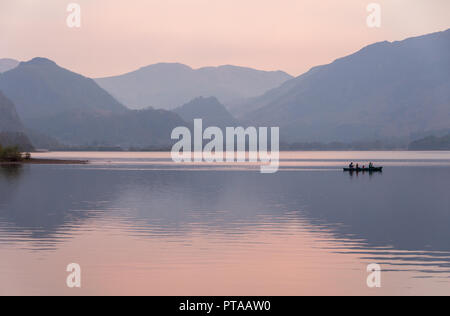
point(377, 169)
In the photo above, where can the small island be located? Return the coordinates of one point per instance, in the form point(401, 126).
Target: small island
point(11, 155)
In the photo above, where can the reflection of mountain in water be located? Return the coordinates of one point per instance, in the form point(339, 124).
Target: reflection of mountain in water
point(10, 171)
point(43, 203)
point(400, 216)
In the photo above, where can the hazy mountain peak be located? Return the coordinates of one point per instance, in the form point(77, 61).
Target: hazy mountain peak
point(202, 102)
point(9, 60)
point(39, 61)
point(165, 66)
point(7, 64)
point(168, 85)
point(202, 99)
point(209, 109)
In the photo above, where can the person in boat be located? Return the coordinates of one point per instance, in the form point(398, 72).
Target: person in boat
point(357, 166)
point(351, 166)
point(371, 165)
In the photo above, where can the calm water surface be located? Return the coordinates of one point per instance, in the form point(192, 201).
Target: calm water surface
point(139, 224)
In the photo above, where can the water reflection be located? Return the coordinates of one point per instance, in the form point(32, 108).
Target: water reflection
point(399, 218)
point(43, 204)
point(11, 171)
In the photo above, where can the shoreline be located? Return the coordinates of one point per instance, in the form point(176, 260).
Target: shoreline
point(33, 161)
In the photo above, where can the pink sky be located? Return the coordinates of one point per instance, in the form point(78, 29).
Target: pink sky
point(118, 36)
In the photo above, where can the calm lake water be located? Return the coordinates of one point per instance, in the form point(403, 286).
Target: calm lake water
point(139, 224)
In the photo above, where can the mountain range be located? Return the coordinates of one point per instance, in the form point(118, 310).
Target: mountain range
point(386, 90)
point(148, 128)
point(67, 107)
point(168, 85)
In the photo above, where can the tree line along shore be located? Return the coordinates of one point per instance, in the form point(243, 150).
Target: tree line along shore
point(13, 155)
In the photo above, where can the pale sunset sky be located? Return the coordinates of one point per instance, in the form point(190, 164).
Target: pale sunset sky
point(118, 36)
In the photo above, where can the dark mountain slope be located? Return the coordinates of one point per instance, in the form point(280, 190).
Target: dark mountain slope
point(40, 88)
point(132, 128)
point(210, 110)
point(385, 90)
point(11, 129)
